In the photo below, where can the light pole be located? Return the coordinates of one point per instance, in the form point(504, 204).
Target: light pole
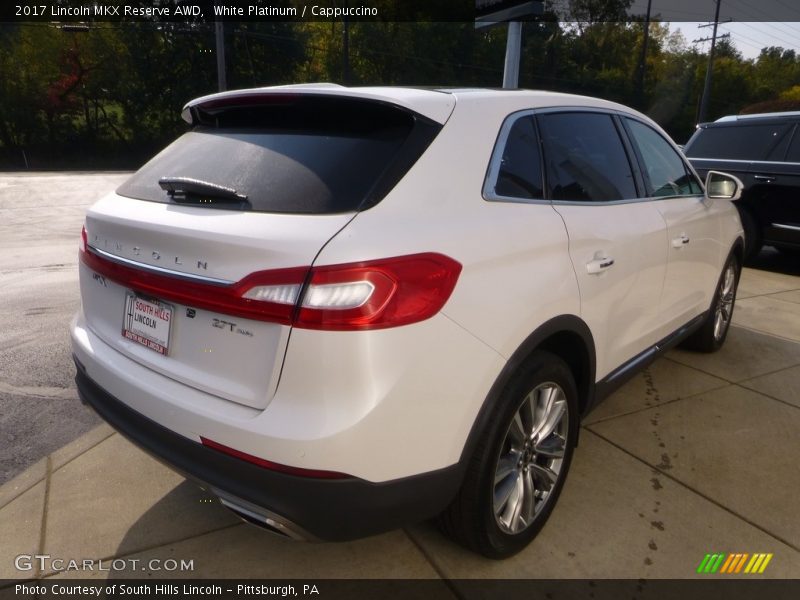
point(219, 32)
point(643, 60)
point(701, 117)
point(513, 49)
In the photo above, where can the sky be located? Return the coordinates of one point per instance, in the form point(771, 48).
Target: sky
point(753, 24)
point(748, 37)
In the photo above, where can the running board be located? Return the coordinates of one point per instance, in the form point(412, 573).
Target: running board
point(614, 380)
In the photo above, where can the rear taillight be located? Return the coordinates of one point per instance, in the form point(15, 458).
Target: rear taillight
point(356, 296)
point(377, 294)
point(226, 299)
point(84, 239)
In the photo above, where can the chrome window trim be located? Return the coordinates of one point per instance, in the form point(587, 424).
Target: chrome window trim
point(624, 201)
point(783, 226)
point(493, 170)
point(160, 270)
point(739, 160)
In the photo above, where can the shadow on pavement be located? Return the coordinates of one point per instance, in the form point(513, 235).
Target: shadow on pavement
point(770, 259)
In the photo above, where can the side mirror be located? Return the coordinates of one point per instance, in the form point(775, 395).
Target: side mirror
point(722, 186)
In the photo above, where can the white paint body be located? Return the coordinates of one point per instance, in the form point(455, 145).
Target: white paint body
point(391, 403)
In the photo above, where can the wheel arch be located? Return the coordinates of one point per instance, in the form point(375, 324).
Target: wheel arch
point(566, 336)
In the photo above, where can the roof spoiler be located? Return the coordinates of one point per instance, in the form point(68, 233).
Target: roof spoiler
point(432, 105)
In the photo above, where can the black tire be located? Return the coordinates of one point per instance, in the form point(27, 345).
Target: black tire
point(712, 333)
point(753, 242)
point(471, 519)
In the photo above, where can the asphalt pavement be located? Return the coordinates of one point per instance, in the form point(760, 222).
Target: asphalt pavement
point(40, 223)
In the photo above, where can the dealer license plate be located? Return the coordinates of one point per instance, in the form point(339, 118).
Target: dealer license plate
point(148, 322)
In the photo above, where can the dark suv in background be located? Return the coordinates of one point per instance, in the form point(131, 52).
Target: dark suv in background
point(764, 152)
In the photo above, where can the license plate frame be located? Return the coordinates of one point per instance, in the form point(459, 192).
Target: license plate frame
point(148, 321)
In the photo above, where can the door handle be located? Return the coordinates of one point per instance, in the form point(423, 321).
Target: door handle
point(765, 178)
point(598, 265)
point(680, 241)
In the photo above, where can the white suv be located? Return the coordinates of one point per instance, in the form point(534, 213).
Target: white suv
point(345, 310)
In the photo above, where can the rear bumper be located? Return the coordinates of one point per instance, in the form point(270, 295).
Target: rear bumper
point(300, 507)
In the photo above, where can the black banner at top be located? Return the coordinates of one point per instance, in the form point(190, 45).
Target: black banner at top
point(88, 11)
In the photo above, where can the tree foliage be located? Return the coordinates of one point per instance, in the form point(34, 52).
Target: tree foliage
point(111, 95)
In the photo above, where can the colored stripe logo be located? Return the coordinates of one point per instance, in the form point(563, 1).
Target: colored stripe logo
point(734, 563)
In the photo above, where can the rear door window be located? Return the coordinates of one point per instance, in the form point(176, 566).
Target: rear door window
point(584, 157)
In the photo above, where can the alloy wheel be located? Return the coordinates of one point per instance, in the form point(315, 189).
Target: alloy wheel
point(725, 298)
point(531, 458)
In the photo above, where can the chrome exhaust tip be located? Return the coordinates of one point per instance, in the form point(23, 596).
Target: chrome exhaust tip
point(264, 519)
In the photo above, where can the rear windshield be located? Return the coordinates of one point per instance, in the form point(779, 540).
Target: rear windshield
point(310, 156)
point(737, 141)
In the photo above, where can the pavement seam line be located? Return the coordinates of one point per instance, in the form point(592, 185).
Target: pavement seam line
point(43, 525)
point(708, 391)
point(660, 404)
point(776, 293)
point(426, 555)
point(749, 389)
point(677, 362)
point(738, 381)
point(697, 492)
point(22, 491)
point(92, 447)
point(157, 546)
point(762, 332)
point(767, 374)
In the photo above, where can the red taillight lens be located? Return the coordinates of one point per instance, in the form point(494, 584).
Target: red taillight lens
point(226, 299)
point(272, 466)
point(356, 296)
point(402, 290)
point(84, 239)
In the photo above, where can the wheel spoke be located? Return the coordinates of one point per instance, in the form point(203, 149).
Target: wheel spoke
point(517, 431)
point(727, 287)
point(544, 399)
point(505, 466)
point(509, 510)
point(502, 493)
point(529, 504)
point(545, 475)
point(531, 414)
point(718, 324)
point(515, 503)
point(553, 446)
point(558, 409)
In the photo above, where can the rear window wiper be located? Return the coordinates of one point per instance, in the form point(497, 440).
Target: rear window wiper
point(187, 189)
